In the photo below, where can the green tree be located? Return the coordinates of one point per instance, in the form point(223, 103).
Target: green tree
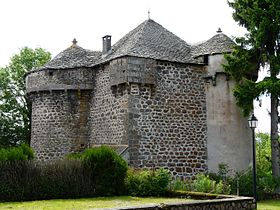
point(263, 152)
point(260, 48)
point(15, 109)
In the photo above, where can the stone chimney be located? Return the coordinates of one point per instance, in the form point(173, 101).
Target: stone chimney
point(106, 44)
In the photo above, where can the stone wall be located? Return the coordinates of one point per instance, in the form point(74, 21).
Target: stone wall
point(59, 123)
point(238, 203)
point(162, 120)
point(167, 121)
point(156, 108)
point(132, 70)
point(60, 79)
point(108, 110)
point(60, 110)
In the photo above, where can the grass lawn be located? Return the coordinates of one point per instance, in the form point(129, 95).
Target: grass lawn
point(88, 203)
point(269, 205)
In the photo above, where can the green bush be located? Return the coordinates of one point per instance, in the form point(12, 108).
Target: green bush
point(203, 183)
point(179, 185)
point(242, 183)
point(148, 182)
point(28, 180)
point(97, 172)
point(108, 170)
point(222, 175)
point(65, 179)
point(27, 151)
point(23, 152)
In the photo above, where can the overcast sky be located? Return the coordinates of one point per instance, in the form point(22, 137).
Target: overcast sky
point(52, 24)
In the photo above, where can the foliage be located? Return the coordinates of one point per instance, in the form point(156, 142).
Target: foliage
point(263, 152)
point(99, 172)
point(179, 185)
point(14, 106)
point(203, 183)
point(222, 175)
point(259, 48)
point(106, 163)
point(216, 183)
point(241, 182)
point(28, 180)
point(266, 183)
point(147, 182)
point(23, 152)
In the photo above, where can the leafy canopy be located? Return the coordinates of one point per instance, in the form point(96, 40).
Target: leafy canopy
point(15, 109)
point(259, 48)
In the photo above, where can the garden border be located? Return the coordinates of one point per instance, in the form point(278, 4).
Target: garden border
point(226, 202)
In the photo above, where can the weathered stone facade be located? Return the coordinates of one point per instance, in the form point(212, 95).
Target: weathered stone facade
point(168, 120)
point(108, 111)
point(147, 97)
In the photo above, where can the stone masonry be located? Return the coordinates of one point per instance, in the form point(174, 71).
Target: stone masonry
point(168, 122)
point(151, 96)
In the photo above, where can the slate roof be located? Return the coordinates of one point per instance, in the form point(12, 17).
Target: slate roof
point(74, 57)
point(151, 40)
point(148, 40)
point(220, 43)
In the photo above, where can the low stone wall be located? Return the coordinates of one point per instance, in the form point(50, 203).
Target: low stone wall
point(230, 203)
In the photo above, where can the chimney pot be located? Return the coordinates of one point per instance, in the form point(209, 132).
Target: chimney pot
point(106, 44)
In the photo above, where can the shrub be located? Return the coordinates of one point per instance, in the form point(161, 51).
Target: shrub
point(97, 172)
point(147, 182)
point(203, 183)
point(27, 151)
point(243, 183)
point(179, 185)
point(222, 175)
point(65, 179)
point(28, 180)
point(23, 152)
point(16, 178)
point(107, 169)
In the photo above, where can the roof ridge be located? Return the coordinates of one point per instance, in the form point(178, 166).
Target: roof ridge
point(127, 37)
point(145, 23)
point(73, 56)
point(219, 43)
point(151, 40)
point(140, 34)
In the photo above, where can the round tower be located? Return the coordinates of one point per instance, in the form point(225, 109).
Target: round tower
point(228, 133)
point(60, 93)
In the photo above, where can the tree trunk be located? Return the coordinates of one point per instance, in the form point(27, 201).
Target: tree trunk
point(274, 136)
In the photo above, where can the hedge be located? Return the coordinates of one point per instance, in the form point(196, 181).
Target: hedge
point(97, 172)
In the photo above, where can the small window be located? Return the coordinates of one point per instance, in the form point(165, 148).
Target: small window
point(206, 59)
point(51, 73)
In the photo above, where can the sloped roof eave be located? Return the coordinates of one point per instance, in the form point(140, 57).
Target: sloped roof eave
point(212, 53)
point(193, 62)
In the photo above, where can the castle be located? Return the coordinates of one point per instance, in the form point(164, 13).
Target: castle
point(157, 100)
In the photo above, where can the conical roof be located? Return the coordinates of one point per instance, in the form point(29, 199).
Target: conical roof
point(220, 43)
point(74, 57)
point(151, 40)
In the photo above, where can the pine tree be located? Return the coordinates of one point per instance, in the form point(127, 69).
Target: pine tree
point(260, 48)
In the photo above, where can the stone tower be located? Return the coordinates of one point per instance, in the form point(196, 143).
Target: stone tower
point(151, 96)
point(228, 132)
point(60, 93)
